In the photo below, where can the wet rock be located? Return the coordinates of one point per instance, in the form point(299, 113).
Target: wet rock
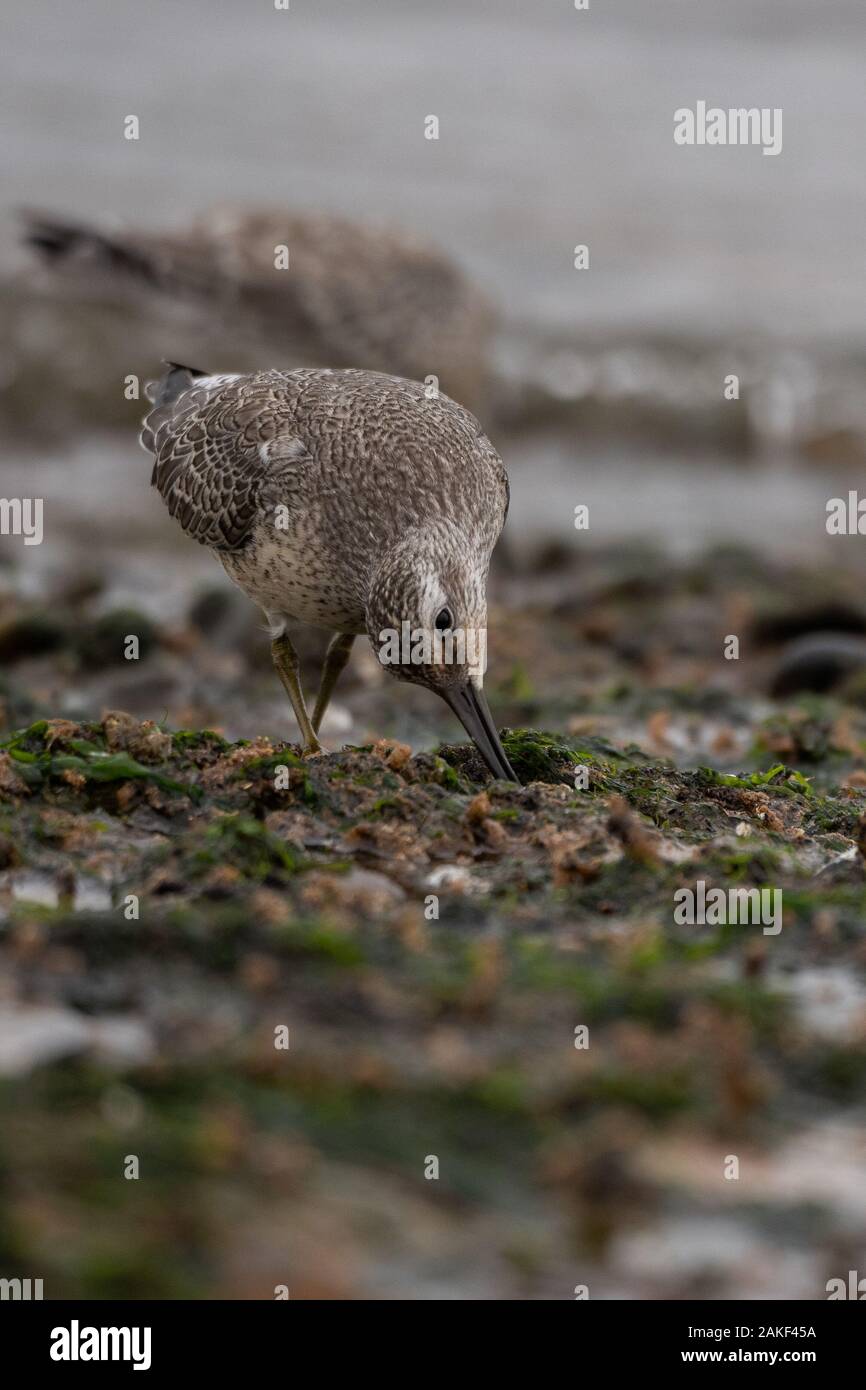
point(805, 620)
point(31, 634)
point(820, 662)
point(103, 642)
point(216, 611)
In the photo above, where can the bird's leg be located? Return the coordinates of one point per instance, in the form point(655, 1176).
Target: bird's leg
point(336, 657)
point(288, 669)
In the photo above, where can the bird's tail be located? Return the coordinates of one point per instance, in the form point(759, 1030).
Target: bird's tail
point(70, 246)
point(172, 383)
point(163, 394)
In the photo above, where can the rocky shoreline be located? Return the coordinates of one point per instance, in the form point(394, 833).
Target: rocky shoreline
point(487, 976)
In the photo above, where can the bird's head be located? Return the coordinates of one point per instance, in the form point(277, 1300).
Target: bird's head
point(426, 616)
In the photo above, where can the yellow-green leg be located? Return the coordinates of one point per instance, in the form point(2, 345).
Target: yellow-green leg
point(336, 657)
point(288, 669)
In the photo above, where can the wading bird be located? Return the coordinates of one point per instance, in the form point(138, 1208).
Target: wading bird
point(350, 500)
point(289, 288)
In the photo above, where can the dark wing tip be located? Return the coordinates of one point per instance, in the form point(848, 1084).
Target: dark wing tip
point(179, 367)
point(172, 383)
point(52, 236)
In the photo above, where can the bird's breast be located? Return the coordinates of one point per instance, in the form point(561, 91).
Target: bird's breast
point(285, 573)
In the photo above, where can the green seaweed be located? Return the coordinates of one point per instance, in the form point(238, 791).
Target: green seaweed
point(198, 740)
point(248, 845)
point(36, 763)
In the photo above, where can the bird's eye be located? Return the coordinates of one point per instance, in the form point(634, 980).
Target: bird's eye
point(444, 620)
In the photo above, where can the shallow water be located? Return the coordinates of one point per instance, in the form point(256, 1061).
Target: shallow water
point(556, 126)
point(556, 129)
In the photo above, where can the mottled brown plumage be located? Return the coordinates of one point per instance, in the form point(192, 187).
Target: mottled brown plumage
point(351, 500)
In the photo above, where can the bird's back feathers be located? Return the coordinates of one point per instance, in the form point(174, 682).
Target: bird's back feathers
point(368, 455)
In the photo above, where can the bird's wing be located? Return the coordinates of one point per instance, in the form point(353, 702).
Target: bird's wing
point(224, 453)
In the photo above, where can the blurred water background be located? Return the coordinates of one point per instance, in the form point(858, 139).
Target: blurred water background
point(556, 129)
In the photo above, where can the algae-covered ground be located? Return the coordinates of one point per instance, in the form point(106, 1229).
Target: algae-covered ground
point(374, 1026)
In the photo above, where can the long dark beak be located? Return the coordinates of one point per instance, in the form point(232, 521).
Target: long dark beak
point(471, 708)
